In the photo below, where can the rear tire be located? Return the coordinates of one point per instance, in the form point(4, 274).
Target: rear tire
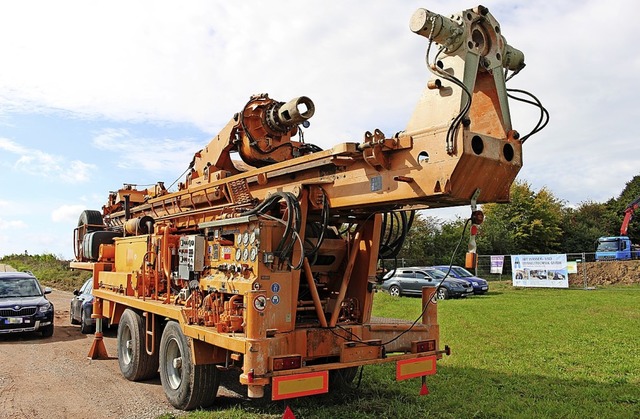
point(187, 386)
point(135, 363)
point(442, 293)
point(84, 327)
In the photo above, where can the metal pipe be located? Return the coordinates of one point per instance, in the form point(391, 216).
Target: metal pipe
point(294, 112)
point(438, 28)
point(314, 293)
point(345, 280)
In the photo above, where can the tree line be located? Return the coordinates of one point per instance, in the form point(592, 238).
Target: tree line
point(532, 223)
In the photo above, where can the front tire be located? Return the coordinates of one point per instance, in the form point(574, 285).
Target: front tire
point(71, 319)
point(442, 293)
point(47, 331)
point(135, 363)
point(187, 386)
point(394, 291)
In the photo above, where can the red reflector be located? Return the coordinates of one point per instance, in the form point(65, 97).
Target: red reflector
point(250, 376)
point(287, 363)
point(426, 346)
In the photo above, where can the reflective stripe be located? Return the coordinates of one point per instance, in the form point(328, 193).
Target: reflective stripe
point(299, 385)
point(417, 367)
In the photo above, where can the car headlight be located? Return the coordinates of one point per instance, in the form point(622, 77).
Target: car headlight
point(44, 308)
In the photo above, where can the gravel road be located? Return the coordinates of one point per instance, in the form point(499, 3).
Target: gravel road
point(53, 378)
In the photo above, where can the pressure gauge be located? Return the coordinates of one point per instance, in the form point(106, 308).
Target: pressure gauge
point(253, 254)
point(252, 237)
point(238, 254)
point(245, 238)
point(239, 239)
point(245, 254)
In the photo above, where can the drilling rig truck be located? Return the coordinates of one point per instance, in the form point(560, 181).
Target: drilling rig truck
point(265, 258)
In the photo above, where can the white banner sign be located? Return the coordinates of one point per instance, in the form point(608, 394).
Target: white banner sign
point(497, 263)
point(540, 271)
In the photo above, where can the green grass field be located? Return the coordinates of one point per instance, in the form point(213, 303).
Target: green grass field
point(515, 353)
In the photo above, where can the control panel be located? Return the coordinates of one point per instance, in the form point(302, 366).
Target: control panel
point(190, 255)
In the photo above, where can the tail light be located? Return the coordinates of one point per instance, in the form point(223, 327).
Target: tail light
point(287, 363)
point(423, 346)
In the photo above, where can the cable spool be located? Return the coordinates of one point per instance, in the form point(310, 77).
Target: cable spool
point(140, 225)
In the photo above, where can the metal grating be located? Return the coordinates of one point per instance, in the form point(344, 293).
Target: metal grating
point(24, 311)
point(239, 191)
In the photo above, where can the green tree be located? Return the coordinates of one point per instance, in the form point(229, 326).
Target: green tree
point(419, 245)
point(629, 194)
point(452, 239)
point(583, 225)
point(530, 223)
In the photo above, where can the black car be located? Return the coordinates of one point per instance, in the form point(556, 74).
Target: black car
point(82, 307)
point(23, 305)
point(409, 281)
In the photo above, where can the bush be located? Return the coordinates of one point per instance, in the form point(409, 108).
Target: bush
point(49, 269)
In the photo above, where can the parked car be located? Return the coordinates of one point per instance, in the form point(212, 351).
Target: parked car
point(23, 305)
point(409, 281)
point(82, 307)
point(480, 286)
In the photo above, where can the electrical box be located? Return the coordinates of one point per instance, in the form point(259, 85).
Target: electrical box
point(191, 256)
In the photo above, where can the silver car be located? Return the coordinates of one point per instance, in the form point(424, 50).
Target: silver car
point(409, 281)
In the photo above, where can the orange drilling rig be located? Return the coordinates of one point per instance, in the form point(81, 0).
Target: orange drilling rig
point(267, 263)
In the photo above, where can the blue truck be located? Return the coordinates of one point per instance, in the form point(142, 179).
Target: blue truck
point(619, 247)
point(616, 248)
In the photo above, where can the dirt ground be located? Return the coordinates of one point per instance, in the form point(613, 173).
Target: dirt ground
point(607, 273)
point(53, 378)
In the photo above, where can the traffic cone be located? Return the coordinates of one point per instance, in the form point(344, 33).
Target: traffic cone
point(288, 414)
point(424, 390)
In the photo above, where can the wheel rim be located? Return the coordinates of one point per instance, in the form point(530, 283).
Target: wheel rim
point(441, 294)
point(127, 351)
point(394, 291)
point(173, 362)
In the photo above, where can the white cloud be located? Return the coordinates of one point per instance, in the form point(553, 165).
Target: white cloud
point(199, 61)
point(38, 163)
point(67, 213)
point(146, 153)
point(12, 224)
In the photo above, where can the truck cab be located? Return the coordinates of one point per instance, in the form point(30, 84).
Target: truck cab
point(615, 248)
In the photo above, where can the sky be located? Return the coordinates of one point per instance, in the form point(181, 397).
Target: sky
point(94, 95)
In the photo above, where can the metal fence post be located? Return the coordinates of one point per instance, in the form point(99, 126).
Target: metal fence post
point(584, 269)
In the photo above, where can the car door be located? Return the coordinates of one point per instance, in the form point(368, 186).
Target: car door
point(408, 281)
point(424, 280)
point(78, 299)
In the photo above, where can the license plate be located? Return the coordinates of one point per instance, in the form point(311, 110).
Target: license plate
point(485, 288)
point(14, 320)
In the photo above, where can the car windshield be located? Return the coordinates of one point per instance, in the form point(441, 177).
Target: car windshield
point(461, 272)
point(607, 246)
point(19, 287)
point(436, 274)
